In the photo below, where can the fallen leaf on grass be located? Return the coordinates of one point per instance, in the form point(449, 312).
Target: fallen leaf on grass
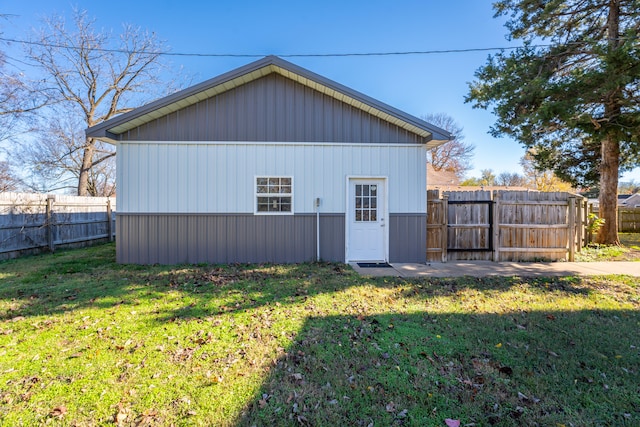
point(122, 414)
point(58, 412)
point(506, 370)
point(147, 418)
point(452, 423)
point(263, 402)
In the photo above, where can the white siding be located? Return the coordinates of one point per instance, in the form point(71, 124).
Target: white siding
point(219, 177)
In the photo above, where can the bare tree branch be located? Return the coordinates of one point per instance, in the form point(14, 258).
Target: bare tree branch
point(454, 156)
point(92, 86)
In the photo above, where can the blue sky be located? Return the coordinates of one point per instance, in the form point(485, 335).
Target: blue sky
point(417, 84)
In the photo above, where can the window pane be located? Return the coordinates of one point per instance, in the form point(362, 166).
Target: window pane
point(274, 194)
point(374, 189)
point(263, 204)
point(373, 215)
point(358, 215)
point(365, 202)
point(358, 202)
point(374, 202)
point(365, 190)
point(358, 190)
point(365, 215)
point(285, 204)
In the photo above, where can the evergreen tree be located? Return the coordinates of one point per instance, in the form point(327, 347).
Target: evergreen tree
point(571, 93)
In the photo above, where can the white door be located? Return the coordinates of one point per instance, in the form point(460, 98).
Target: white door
point(366, 220)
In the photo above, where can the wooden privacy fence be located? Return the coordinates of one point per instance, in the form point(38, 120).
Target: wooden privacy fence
point(30, 223)
point(628, 219)
point(504, 225)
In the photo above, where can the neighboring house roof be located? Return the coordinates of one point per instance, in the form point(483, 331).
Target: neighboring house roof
point(632, 200)
point(441, 178)
point(109, 130)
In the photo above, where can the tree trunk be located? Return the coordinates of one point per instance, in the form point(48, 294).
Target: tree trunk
point(610, 151)
point(87, 164)
point(608, 233)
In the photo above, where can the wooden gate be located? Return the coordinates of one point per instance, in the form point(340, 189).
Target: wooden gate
point(504, 225)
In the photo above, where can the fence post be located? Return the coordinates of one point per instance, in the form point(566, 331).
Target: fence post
point(109, 221)
point(579, 224)
point(619, 219)
point(585, 207)
point(49, 223)
point(572, 228)
point(496, 226)
point(445, 227)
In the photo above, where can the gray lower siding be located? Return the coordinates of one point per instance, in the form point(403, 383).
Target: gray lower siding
point(248, 238)
point(408, 238)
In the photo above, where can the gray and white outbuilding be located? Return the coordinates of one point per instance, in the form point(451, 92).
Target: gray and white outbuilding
point(270, 162)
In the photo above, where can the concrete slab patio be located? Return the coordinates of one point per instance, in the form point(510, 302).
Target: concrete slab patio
point(488, 268)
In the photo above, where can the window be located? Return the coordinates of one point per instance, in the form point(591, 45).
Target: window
point(274, 194)
point(366, 203)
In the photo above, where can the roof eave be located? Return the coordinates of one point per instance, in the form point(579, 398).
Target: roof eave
point(108, 130)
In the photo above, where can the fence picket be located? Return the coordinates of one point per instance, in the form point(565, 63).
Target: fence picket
point(30, 223)
point(506, 225)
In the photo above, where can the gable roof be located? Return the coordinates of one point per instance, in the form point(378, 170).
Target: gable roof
point(110, 129)
point(441, 178)
point(630, 200)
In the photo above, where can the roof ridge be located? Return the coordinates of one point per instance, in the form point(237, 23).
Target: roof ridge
point(247, 73)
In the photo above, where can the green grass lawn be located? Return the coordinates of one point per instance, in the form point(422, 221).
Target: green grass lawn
point(628, 250)
point(84, 341)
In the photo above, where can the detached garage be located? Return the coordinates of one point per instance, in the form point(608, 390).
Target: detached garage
point(270, 163)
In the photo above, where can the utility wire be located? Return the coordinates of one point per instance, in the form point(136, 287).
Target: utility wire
point(256, 55)
point(289, 55)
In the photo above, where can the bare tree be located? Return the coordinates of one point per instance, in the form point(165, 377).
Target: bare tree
point(630, 187)
point(20, 98)
point(508, 179)
point(8, 180)
point(96, 76)
point(454, 156)
point(54, 158)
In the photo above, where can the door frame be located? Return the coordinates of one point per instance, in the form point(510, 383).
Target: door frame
point(384, 213)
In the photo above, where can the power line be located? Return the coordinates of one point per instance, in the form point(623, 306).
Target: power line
point(257, 55)
point(293, 55)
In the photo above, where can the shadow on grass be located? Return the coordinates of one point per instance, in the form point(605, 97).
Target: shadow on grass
point(76, 279)
point(89, 278)
point(537, 368)
point(343, 365)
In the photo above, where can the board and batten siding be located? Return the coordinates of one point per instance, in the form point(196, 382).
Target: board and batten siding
point(192, 202)
point(272, 108)
point(216, 177)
